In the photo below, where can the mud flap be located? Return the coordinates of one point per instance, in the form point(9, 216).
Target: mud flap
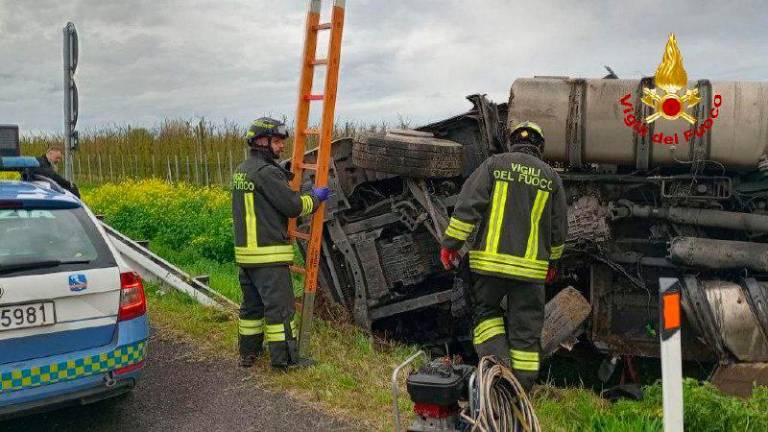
point(739, 379)
point(563, 317)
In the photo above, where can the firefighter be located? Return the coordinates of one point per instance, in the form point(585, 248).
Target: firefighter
point(517, 203)
point(262, 202)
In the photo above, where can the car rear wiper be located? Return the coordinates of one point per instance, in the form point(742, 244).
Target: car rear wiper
point(31, 265)
point(28, 265)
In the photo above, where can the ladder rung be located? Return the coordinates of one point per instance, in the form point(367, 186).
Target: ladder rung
point(297, 269)
point(310, 166)
point(313, 97)
point(299, 234)
point(323, 26)
point(320, 61)
point(311, 131)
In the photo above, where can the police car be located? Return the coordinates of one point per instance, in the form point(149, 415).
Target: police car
point(73, 325)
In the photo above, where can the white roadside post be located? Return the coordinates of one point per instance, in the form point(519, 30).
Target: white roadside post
point(671, 354)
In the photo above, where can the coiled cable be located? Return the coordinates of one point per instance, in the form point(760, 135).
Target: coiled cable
point(502, 405)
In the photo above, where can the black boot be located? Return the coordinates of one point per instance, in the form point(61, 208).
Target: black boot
point(251, 348)
point(285, 356)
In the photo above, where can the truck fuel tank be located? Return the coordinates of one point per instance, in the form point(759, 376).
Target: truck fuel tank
point(603, 121)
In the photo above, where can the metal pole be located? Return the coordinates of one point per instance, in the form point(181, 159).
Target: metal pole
point(671, 354)
point(69, 57)
point(395, 393)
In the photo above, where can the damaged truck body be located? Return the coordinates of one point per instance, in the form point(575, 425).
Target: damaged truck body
point(695, 210)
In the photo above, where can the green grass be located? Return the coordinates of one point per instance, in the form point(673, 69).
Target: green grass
point(191, 227)
point(351, 380)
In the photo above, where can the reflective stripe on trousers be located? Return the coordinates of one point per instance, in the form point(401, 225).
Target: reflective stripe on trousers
point(248, 327)
point(279, 332)
point(487, 329)
point(525, 360)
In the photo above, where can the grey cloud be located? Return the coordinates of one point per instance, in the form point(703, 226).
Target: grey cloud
point(143, 61)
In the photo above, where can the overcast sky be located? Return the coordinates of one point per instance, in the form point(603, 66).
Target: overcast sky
point(145, 60)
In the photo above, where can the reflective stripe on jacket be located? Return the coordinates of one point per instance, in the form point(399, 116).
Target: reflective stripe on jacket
point(519, 203)
point(262, 202)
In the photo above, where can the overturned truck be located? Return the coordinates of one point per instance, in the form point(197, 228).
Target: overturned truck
point(646, 200)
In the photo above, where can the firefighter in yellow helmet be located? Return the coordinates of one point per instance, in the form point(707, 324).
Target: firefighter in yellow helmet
point(517, 204)
point(262, 202)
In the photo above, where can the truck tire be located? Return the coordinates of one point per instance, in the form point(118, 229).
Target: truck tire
point(408, 153)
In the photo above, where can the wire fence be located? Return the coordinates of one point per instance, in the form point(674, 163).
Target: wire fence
point(213, 168)
point(197, 152)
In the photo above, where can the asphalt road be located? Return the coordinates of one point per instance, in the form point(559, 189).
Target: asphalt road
point(181, 390)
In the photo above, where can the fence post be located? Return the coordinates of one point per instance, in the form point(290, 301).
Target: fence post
point(101, 172)
point(207, 170)
point(231, 167)
point(196, 165)
point(169, 175)
point(218, 165)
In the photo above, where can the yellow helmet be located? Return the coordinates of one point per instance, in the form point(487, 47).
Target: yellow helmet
point(527, 131)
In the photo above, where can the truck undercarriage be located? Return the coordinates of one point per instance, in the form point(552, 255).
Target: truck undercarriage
point(702, 224)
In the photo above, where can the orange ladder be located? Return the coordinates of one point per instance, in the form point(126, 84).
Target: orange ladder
point(298, 165)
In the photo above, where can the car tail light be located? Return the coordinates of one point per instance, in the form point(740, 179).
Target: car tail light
point(133, 303)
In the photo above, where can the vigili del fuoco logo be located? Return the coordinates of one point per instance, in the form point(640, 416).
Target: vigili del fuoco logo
point(671, 78)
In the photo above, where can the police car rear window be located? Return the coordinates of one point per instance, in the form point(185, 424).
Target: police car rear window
point(65, 235)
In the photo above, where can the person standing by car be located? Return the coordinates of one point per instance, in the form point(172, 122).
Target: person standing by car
point(519, 203)
point(262, 203)
point(47, 168)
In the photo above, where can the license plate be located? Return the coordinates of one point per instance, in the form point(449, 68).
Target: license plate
point(27, 315)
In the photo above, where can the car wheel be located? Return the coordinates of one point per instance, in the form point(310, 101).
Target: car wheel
point(409, 153)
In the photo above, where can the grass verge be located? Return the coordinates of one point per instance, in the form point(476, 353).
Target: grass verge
point(192, 227)
point(351, 380)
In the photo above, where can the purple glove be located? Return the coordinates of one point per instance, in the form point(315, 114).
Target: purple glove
point(321, 193)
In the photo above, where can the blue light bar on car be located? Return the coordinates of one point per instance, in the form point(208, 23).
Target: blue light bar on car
point(18, 163)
